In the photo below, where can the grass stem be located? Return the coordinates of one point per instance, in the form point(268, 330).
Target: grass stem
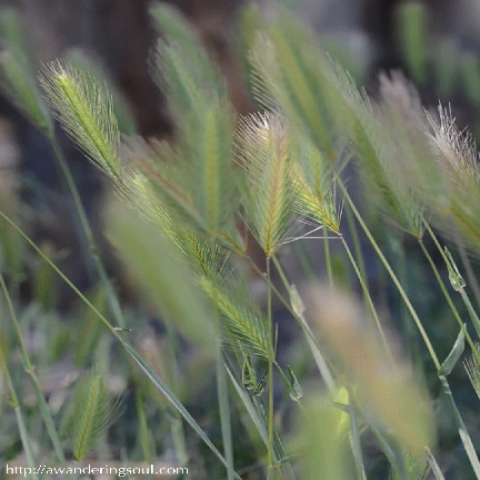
point(392, 275)
point(270, 369)
point(87, 234)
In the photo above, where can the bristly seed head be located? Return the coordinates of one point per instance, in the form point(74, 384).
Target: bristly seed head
point(263, 151)
point(454, 149)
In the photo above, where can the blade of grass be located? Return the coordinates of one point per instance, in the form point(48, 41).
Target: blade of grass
point(437, 472)
point(43, 407)
point(356, 444)
point(19, 416)
point(270, 373)
point(259, 420)
point(320, 361)
point(174, 401)
point(464, 435)
point(443, 287)
point(462, 429)
point(224, 408)
point(87, 234)
point(367, 297)
point(143, 431)
point(149, 372)
point(391, 273)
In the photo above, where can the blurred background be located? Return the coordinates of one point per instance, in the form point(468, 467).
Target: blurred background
point(435, 43)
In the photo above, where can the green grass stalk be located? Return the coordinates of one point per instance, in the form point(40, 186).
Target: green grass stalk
point(368, 298)
point(114, 304)
point(19, 416)
point(328, 260)
point(322, 364)
point(472, 279)
point(409, 331)
point(117, 333)
point(392, 275)
point(449, 300)
point(357, 248)
point(473, 315)
point(43, 407)
point(434, 466)
point(464, 435)
point(462, 429)
point(356, 443)
point(143, 430)
point(471, 310)
point(224, 409)
point(270, 372)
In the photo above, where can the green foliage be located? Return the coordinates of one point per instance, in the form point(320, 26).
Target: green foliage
point(175, 294)
point(17, 75)
point(197, 100)
point(176, 224)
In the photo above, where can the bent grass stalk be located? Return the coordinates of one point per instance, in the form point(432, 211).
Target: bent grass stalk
point(224, 408)
point(368, 297)
point(22, 88)
point(19, 417)
point(468, 268)
point(44, 409)
point(463, 432)
point(392, 275)
point(312, 340)
point(116, 332)
point(87, 232)
point(472, 313)
point(449, 300)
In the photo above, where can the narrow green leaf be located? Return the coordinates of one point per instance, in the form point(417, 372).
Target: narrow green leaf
point(296, 391)
point(257, 419)
point(174, 401)
point(437, 472)
point(261, 385)
point(356, 444)
point(27, 446)
point(247, 376)
point(462, 429)
point(144, 434)
point(155, 379)
point(452, 359)
point(224, 408)
point(257, 415)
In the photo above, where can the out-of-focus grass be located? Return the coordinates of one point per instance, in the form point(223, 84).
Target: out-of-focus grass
point(193, 372)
